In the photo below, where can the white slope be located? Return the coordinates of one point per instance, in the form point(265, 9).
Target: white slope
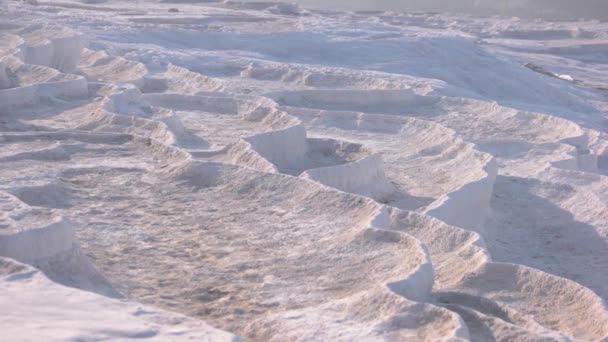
point(290, 174)
point(35, 308)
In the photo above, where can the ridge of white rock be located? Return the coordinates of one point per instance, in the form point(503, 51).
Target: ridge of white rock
point(362, 177)
point(468, 206)
point(29, 83)
point(55, 47)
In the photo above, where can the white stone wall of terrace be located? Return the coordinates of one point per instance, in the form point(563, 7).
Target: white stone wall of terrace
point(174, 124)
point(71, 87)
point(393, 101)
point(362, 177)
point(5, 82)
point(56, 48)
point(419, 284)
point(416, 285)
point(598, 142)
point(243, 153)
point(126, 99)
point(30, 82)
point(38, 242)
point(468, 206)
point(454, 251)
point(587, 162)
point(590, 153)
point(578, 160)
point(285, 148)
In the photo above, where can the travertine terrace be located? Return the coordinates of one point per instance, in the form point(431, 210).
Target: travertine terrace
point(209, 171)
